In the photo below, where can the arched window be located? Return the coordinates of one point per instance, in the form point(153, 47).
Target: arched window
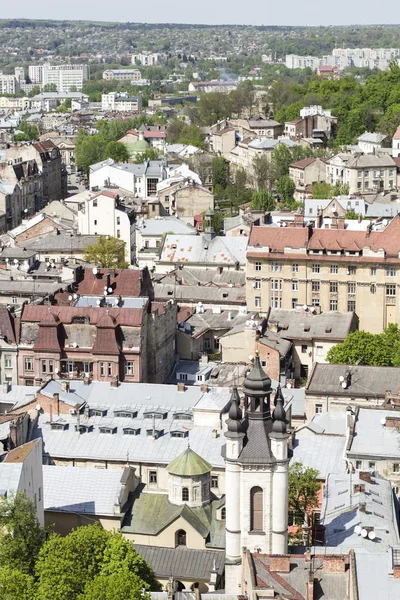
point(185, 494)
point(223, 514)
point(256, 509)
point(181, 537)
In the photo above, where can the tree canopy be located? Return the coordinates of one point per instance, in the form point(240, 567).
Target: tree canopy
point(262, 200)
point(362, 347)
point(303, 491)
point(107, 252)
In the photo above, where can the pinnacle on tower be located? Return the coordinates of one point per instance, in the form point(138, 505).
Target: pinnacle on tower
point(279, 415)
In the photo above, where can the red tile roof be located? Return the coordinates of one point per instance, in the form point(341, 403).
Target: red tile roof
point(302, 164)
point(397, 134)
point(124, 282)
point(277, 238)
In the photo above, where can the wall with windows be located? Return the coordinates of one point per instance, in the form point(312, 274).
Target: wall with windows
point(8, 363)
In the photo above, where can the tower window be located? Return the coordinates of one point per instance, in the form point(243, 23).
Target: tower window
point(256, 509)
point(181, 536)
point(223, 514)
point(185, 494)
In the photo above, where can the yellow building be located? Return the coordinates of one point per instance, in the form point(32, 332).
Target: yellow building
point(334, 269)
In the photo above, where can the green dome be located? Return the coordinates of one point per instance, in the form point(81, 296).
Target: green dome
point(140, 146)
point(189, 464)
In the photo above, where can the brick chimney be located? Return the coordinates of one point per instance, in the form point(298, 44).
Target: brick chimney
point(310, 587)
point(396, 572)
point(361, 507)
point(279, 564)
point(334, 564)
point(86, 381)
point(340, 222)
point(181, 386)
point(114, 382)
point(204, 388)
point(393, 422)
point(56, 398)
point(298, 220)
point(65, 386)
point(365, 476)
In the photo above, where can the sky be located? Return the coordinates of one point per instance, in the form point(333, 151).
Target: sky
point(253, 12)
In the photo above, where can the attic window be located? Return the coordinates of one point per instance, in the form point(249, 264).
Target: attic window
point(130, 431)
point(157, 433)
point(307, 328)
point(179, 434)
point(80, 320)
point(97, 412)
point(127, 414)
point(59, 426)
point(183, 416)
point(173, 246)
point(170, 293)
point(225, 294)
point(84, 428)
point(107, 429)
point(328, 330)
point(155, 414)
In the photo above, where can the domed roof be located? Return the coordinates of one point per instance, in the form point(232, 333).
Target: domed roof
point(257, 382)
point(234, 421)
point(279, 415)
point(189, 464)
point(140, 146)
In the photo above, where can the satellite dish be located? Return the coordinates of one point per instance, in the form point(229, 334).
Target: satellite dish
point(372, 535)
point(109, 290)
point(344, 385)
point(95, 270)
point(357, 529)
point(38, 407)
point(383, 421)
point(364, 533)
point(305, 306)
point(341, 378)
point(7, 260)
point(98, 302)
point(75, 296)
point(75, 345)
point(288, 385)
point(70, 298)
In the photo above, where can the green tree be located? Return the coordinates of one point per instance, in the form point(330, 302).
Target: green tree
point(285, 187)
point(262, 200)
point(21, 534)
point(191, 135)
point(31, 132)
point(303, 491)
point(50, 87)
point(34, 91)
point(214, 107)
point(88, 150)
point(322, 190)
point(379, 349)
point(117, 151)
point(282, 158)
point(15, 585)
point(107, 252)
point(120, 585)
point(149, 154)
point(264, 172)
point(220, 176)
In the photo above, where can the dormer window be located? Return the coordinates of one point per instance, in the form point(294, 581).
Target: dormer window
point(59, 426)
point(97, 412)
point(131, 431)
point(179, 434)
point(110, 430)
point(80, 320)
point(125, 414)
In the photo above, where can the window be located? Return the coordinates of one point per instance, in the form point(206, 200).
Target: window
point(371, 465)
point(95, 222)
point(276, 267)
point(44, 366)
point(352, 270)
point(185, 494)
point(333, 287)
point(276, 302)
point(102, 371)
point(7, 361)
point(359, 185)
point(207, 343)
point(95, 202)
point(118, 220)
point(109, 369)
point(152, 476)
point(295, 301)
point(334, 269)
point(315, 286)
point(390, 290)
point(396, 467)
point(258, 266)
point(295, 268)
point(390, 272)
point(256, 509)
point(118, 233)
point(333, 305)
point(40, 494)
point(351, 288)
point(28, 363)
point(181, 537)
point(14, 300)
point(318, 409)
point(129, 368)
point(315, 302)
point(214, 481)
point(358, 464)
point(315, 268)
point(304, 349)
point(295, 285)
point(183, 376)
point(257, 302)
point(276, 284)
point(257, 284)
point(223, 514)
point(319, 351)
point(351, 306)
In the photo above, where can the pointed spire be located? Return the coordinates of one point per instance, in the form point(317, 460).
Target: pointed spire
point(234, 421)
point(279, 415)
point(257, 382)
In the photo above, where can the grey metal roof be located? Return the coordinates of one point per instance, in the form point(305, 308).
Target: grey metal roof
point(321, 452)
point(64, 242)
point(371, 438)
point(78, 490)
point(300, 325)
point(10, 475)
point(370, 160)
point(226, 251)
point(374, 579)
point(330, 423)
point(267, 144)
point(374, 138)
point(17, 394)
point(340, 513)
point(125, 302)
point(197, 293)
point(30, 287)
point(183, 562)
point(157, 227)
point(365, 381)
point(200, 323)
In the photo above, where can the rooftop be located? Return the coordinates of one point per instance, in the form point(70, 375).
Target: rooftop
point(228, 251)
point(375, 434)
point(301, 325)
point(362, 381)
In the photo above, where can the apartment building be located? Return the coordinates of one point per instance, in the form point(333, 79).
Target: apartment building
point(334, 269)
point(9, 84)
point(147, 59)
point(335, 167)
point(366, 173)
point(63, 76)
point(306, 172)
point(122, 75)
point(139, 179)
point(21, 190)
point(121, 102)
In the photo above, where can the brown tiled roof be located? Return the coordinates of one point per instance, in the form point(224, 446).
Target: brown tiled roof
point(123, 316)
point(124, 282)
point(48, 339)
point(302, 164)
point(277, 238)
point(46, 146)
point(106, 342)
point(6, 325)
point(18, 455)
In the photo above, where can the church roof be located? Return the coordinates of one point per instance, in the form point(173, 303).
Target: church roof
point(257, 382)
point(189, 464)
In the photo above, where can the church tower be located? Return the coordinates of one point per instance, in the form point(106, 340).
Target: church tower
point(256, 459)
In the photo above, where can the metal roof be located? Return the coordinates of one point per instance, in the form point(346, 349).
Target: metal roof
point(227, 251)
point(158, 227)
point(371, 438)
point(364, 380)
point(183, 562)
point(321, 452)
point(189, 464)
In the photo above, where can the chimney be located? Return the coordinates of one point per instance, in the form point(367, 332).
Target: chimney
point(214, 433)
point(359, 488)
point(114, 382)
point(51, 413)
point(204, 388)
point(108, 278)
point(219, 270)
point(340, 222)
point(86, 381)
point(56, 398)
point(298, 220)
point(393, 422)
point(65, 386)
point(310, 587)
point(181, 386)
point(279, 564)
point(365, 476)
point(334, 224)
point(362, 507)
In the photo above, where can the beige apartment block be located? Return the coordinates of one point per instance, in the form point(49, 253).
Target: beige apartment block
point(331, 269)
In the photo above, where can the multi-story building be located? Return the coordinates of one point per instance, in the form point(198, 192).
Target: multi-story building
point(396, 143)
point(21, 189)
point(335, 167)
point(19, 73)
point(63, 76)
point(146, 59)
point(9, 84)
point(121, 102)
point(139, 179)
point(122, 75)
point(304, 173)
point(367, 173)
point(334, 269)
